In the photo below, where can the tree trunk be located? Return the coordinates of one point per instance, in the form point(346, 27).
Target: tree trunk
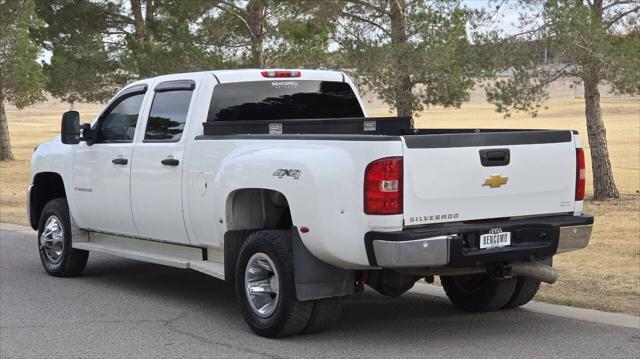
point(5, 141)
point(138, 20)
point(149, 16)
point(403, 85)
point(604, 185)
point(256, 10)
point(256, 53)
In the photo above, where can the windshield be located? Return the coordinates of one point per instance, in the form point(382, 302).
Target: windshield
point(283, 99)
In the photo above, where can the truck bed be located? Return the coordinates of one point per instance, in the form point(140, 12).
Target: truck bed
point(450, 175)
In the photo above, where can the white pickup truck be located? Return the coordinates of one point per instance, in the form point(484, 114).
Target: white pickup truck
point(276, 180)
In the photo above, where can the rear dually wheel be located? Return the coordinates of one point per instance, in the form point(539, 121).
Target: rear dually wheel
point(265, 285)
point(478, 292)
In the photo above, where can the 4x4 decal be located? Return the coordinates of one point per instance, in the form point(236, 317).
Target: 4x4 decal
point(281, 172)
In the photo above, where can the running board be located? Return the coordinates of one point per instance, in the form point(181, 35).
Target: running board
point(168, 254)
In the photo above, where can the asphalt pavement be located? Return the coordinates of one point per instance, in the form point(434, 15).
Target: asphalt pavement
point(122, 308)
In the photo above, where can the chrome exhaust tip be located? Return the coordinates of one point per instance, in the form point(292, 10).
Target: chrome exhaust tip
point(535, 270)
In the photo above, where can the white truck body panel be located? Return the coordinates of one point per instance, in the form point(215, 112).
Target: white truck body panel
point(156, 190)
point(446, 184)
point(101, 189)
point(329, 190)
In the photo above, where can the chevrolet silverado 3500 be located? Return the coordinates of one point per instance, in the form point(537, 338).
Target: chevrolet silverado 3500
point(276, 180)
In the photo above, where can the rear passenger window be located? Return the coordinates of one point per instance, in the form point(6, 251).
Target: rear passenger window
point(168, 116)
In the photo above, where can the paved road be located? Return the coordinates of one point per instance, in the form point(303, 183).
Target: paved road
point(122, 308)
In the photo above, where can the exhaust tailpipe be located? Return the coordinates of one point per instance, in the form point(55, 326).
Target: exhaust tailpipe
point(535, 270)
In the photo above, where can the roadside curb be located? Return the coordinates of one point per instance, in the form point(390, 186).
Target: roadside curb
point(15, 227)
point(587, 315)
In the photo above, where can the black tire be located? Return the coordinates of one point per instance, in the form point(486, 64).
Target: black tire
point(478, 292)
point(526, 289)
point(290, 316)
point(325, 315)
point(70, 262)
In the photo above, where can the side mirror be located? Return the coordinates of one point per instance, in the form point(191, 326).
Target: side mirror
point(70, 129)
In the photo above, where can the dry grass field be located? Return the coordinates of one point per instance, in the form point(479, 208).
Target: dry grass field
point(604, 276)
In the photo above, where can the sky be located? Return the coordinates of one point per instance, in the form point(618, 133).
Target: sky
point(508, 18)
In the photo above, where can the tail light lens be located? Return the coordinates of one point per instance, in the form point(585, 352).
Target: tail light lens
point(383, 186)
point(581, 175)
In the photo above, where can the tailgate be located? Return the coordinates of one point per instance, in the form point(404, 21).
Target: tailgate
point(470, 176)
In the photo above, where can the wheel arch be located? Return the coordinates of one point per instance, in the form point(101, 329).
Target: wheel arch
point(257, 209)
point(248, 210)
point(45, 187)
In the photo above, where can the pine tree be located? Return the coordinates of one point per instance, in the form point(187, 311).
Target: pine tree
point(21, 78)
point(594, 41)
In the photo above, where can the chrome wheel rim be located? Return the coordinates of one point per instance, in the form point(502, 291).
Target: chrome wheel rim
point(52, 239)
point(261, 285)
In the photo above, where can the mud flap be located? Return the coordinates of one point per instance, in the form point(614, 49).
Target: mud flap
point(316, 279)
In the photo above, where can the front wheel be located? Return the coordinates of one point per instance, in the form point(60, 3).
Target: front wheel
point(58, 257)
point(265, 286)
point(478, 292)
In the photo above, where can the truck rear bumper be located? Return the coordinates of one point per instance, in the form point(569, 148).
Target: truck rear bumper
point(456, 245)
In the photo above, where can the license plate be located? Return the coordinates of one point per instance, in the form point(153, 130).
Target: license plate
point(495, 240)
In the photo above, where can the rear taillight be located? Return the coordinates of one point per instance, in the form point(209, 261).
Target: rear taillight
point(581, 174)
point(281, 73)
point(383, 186)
